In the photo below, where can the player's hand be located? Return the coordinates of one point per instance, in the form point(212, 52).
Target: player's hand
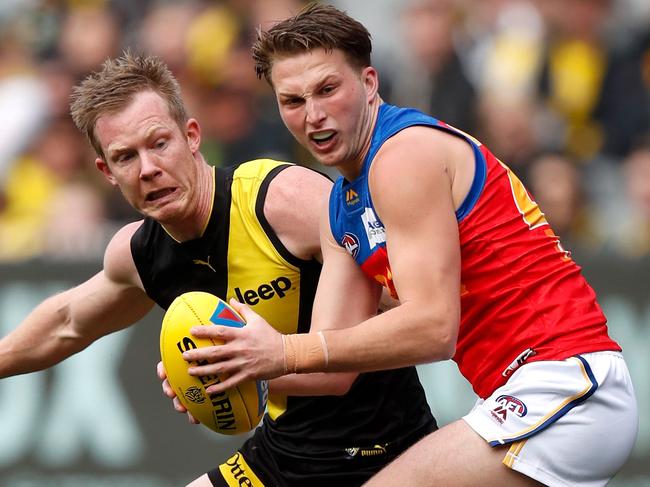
point(252, 352)
point(169, 392)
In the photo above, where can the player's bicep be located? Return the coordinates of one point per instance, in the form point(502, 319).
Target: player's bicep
point(100, 306)
point(414, 200)
point(112, 299)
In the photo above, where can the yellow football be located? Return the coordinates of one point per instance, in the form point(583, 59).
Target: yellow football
point(237, 410)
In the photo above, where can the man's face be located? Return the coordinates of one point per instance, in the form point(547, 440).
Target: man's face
point(149, 158)
point(326, 104)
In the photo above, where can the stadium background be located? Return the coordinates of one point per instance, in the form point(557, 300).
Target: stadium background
point(559, 89)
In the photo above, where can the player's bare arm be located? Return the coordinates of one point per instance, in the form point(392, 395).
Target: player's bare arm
point(335, 308)
point(416, 216)
point(68, 322)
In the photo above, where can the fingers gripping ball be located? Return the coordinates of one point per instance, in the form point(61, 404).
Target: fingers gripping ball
point(238, 409)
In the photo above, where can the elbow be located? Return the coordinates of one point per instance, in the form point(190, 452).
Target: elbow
point(447, 348)
point(442, 341)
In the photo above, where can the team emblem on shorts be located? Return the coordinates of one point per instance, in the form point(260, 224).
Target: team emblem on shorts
point(508, 405)
point(351, 243)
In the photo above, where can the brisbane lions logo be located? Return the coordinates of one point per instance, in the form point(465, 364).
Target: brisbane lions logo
point(351, 244)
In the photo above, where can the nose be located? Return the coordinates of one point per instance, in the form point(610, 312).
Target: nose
point(315, 113)
point(149, 167)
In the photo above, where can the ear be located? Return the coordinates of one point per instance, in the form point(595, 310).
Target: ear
point(105, 170)
point(371, 82)
point(193, 134)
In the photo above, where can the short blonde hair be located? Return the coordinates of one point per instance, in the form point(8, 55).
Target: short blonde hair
point(114, 86)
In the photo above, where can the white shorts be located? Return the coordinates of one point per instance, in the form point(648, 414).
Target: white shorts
point(569, 422)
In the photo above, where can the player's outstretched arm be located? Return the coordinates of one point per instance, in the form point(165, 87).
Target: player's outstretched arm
point(68, 322)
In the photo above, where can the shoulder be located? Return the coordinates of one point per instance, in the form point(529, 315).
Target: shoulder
point(422, 152)
point(292, 207)
point(118, 260)
point(292, 189)
point(299, 182)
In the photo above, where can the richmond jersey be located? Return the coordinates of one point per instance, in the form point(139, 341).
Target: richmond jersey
point(522, 296)
point(240, 256)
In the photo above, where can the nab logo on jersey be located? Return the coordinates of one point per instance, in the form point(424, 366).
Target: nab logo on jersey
point(351, 244)
point(265, 291)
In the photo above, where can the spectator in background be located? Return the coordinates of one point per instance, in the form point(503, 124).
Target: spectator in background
point(435, 80)
point(575, 65)
point(556, 183)
point(30, 224)
point(634, 240)
point(88, 35)
point(506, 60)
point(24, 101)
point(624, 107)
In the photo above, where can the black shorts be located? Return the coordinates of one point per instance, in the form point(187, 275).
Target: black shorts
point(258, 464)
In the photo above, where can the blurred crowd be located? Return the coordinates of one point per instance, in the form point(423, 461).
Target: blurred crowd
point(558, 89)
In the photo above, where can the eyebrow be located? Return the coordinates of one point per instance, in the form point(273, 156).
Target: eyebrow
point(319, 84)
point(115, 150)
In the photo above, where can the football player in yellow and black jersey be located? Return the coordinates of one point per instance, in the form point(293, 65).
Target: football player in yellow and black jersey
point(249, 232)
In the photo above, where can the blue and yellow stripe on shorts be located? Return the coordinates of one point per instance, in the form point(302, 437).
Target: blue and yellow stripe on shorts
point(564, 407)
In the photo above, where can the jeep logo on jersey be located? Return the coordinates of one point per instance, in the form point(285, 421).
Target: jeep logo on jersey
point(351, 243)
point(508, 404)
point(374, 229)
point(266, 291)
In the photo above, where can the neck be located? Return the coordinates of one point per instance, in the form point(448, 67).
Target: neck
point(192, 225)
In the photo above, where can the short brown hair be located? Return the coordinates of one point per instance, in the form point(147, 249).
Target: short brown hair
point(114, 86)
point(315, 26)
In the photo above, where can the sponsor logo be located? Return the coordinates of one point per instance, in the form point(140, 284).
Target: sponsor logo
point(205, 263)
point(351, 197)
point(237, 472)
point(375, 231)
point(507, 404)
point(351, 243)
point(221, 406)
point(518, 362)
point(195, 395)
point(225, 316)
point(372, 451)
point(277, 287)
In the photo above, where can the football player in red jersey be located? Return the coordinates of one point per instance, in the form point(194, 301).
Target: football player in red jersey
point(428, 212)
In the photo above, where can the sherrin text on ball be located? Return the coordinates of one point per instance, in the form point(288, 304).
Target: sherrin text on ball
point(237, 410)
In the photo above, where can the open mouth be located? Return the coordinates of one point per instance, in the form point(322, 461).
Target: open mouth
point(322, 138)
point(161, 193)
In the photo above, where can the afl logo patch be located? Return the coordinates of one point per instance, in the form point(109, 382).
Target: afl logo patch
point(507, 404)
point(351, 243)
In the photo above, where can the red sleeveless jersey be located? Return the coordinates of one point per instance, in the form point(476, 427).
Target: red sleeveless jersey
point(522, 296)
